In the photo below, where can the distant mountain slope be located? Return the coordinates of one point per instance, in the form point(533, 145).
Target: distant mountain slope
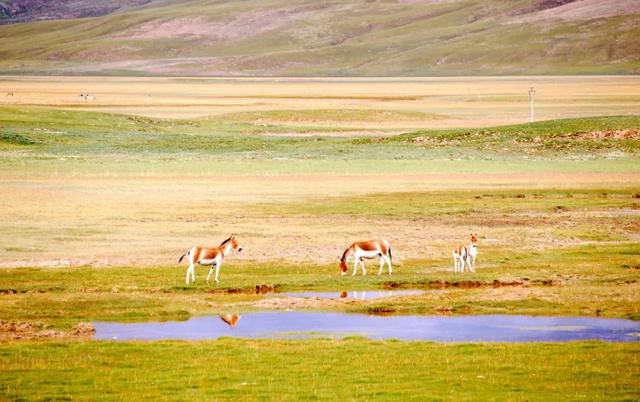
point(14, 11)
point(346, 37)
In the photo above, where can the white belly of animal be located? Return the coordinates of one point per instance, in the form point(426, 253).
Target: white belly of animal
point(209, 262)
point(368, 254)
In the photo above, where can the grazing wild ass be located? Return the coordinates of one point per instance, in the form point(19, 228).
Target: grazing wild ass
point(366, 249)
point(465, 255)
point(209, 256)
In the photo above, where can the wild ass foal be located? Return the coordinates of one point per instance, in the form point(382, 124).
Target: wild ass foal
point(462, 254)
point(209, 256)
point(367, 249)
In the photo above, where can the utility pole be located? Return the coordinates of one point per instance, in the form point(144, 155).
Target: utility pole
point(532, 94)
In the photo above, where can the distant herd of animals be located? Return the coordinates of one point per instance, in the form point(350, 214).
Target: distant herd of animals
point(360, 250)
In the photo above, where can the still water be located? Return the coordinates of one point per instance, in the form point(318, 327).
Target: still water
point(300, 325)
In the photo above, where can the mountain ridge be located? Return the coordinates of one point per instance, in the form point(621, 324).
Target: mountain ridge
point(339, 38)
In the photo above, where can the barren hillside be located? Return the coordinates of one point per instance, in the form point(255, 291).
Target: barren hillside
point(333, 38)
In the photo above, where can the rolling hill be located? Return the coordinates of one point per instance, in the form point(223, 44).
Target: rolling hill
point(329, 38)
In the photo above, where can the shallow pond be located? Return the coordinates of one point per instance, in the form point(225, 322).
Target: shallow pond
point(354, 294)
point(295, 325)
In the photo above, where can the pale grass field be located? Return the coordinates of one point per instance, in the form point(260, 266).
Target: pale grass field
point(459, 102)
point(63, 220)
point(68, 210)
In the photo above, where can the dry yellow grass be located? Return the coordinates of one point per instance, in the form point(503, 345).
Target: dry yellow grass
point(69, 221)
point(463, 102)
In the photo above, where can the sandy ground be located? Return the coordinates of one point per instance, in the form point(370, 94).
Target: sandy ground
point(463, 102)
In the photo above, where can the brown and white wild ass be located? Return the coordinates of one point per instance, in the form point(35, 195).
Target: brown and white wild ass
point(366, 249)
point(209, 256)
point(465, 255)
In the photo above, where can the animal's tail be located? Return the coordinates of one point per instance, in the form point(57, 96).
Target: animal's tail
point(390, 256)
point(183, 255)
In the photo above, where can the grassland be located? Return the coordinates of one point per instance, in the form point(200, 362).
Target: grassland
point(352, 369)
point(97, 207)
point(346, 38)
point(374, 105)
point(595, 280)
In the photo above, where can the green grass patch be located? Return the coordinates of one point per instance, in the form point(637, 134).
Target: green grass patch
point(66, 132)
point(351, 369)
point(331, 115)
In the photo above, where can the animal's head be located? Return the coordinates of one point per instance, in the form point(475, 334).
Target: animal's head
point(235, 244)
point(474, 238)
point(343, 267)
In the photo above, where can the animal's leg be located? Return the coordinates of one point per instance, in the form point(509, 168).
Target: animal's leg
point(355, 266)
point(389, 264)
point(381, 265)
point(364, 270)
point(210, 271)
point(217, 272)
point(455, 264)
point(469, 264)
point(193, 274)
point(188, 274)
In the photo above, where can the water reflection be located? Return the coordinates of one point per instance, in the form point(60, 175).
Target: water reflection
point(296, 325)
point(230, 319)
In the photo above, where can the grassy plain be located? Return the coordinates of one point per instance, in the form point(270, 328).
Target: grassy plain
point(97, 207)
point(365, 105)
point(593, 280)
point(352, 369)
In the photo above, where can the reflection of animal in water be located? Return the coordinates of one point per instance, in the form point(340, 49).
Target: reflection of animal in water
point(230, 319)
point(209, 256)
point(367, 249)
point(360, 296)
point(465, 255)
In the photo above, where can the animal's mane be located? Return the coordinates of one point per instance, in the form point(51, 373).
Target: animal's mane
point(225, 242)
point(344, 255)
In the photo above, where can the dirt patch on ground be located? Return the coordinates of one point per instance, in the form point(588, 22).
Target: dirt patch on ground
point(496, 283)
point(27, 330)
point(628, 134)
point(522, 293)
point(292, 303)
point(258, 290)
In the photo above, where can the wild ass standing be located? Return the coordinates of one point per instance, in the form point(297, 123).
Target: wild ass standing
point(463, 254)
point(209, 256)
point(367, 249)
